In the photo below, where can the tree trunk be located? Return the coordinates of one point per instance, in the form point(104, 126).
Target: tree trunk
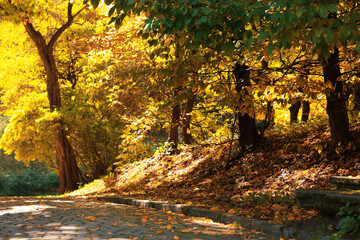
point(185, 131)
point(336, 102)
point(357, 96)
point(306, 111)
point(66, 161)
point(294, 111)
point(175, 122)
point(249, 136)
point(65, 158)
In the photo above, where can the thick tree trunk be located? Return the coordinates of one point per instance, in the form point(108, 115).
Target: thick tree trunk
point(186, 119)
point(173, 138)
point(336, 102)
point(66, 161)
point(249, 136)
point(65, 158)
point(294, 111)
point(306, 111)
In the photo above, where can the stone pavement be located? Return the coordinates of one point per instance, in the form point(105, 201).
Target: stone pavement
point(67, 218)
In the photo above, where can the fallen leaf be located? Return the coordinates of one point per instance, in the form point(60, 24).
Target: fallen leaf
point(176, 238)
point(53, 227)
point(131, 225)
point(231, 211)
point(93, 229)
point(99, 214)
point(90, 218)
point(113, 224)
point(167, 227)
point(216, 209)
point(29, 227)
point(159, 232)
point(30, 218)
point(145, 218)
point(40, 226)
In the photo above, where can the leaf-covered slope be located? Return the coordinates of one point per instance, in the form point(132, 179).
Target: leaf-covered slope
point(263, 179)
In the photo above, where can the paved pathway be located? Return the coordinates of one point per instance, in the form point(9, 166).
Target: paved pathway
point(32, 218)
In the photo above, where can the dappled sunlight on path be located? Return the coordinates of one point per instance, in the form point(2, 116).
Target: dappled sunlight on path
point(79, 218)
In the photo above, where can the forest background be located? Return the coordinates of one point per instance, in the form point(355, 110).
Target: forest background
point(79, 94)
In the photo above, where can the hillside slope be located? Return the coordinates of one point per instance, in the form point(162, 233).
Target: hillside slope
point(258, 184)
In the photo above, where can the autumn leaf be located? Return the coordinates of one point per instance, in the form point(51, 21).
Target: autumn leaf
point(30, 218)
point(231, 211)
point(167, 227)
point(131, 224)
point(90, 218)
point(215, 209)
point(113, 224)
point(94, 229)
point(145, 218)
point(40, 226)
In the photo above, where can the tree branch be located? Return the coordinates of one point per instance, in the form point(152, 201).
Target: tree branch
point(70, 20)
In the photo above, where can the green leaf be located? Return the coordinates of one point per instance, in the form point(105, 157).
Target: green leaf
point(346, 31)
point(112, 20)
point(178, 24)
point(203, 19)
point(300, 11)
point(117, 23)
point(358, 48)
point(95, 3)
point(131, 2)
point(332, 8)
point(323, 12)
point(111, 11)
point(270, 49)
point(328, 35)
point(263, 35)
point(108, 2)
point(169, 23)
point(188, 20)
point(198, 35)
point(194, 13)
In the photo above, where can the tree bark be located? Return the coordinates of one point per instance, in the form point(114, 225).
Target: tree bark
point(249, 136)
point(336, 102)
point(306, 111)
point(357, 96)
point(294, 111)
point(65, 158)
point(173, 138)
point(186, 119)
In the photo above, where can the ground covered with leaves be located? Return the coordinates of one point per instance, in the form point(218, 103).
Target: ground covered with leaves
point(259, 184)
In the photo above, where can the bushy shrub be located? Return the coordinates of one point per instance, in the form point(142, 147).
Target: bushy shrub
point(32, 180)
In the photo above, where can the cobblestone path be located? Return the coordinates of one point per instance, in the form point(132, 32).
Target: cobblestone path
point(59, 218)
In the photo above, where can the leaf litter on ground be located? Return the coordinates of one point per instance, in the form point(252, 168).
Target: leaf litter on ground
point(260, 184)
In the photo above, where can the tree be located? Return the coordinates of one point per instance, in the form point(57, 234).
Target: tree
point(65, 157)
point(249, 136)
point(325, 27)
